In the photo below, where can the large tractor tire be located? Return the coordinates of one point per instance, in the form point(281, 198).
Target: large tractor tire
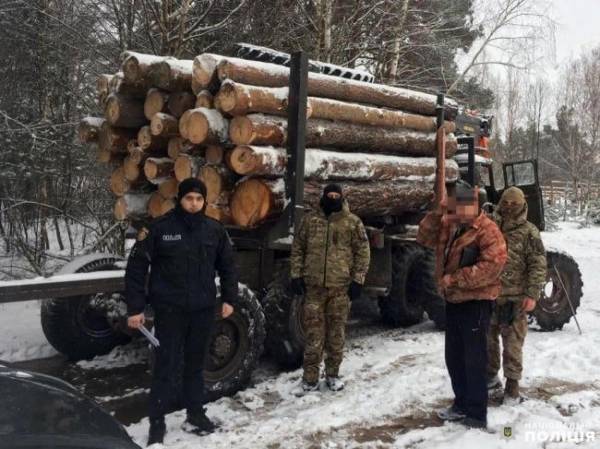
point(236, 347)
point(413, 288)
point(562, 293)
point(83, 327)
point(285, 334)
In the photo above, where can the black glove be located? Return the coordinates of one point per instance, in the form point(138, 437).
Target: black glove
point(298, 286)
point(354, 290)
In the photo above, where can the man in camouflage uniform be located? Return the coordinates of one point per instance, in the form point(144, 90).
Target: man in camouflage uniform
point(522, 280)
point(329, 261)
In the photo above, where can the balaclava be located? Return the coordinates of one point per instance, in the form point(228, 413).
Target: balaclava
point(330, 205)
point(517, 198)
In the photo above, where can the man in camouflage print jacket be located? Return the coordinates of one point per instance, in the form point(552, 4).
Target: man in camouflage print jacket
point(329, 261)
point(522, 281)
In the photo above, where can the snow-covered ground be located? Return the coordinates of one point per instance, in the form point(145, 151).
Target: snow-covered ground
point(396, 380)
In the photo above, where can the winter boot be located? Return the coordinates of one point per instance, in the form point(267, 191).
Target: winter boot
point(473, 423)
point(511, 392)
point(305, 388)
point(157, 431)
point(452, 413)
point(334, 383)
point(493, 382)
point(198, 423)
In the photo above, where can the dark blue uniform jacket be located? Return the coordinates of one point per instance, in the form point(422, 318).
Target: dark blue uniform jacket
point(184, 257)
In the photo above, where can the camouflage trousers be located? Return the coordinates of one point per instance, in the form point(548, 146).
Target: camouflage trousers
point(513, 337)
point(325, 316)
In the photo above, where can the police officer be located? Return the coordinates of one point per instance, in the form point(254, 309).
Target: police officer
point(329, 261)
point(522, 281)
point(184, 248)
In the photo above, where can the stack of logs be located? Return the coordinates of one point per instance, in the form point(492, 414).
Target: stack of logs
point(223, 120)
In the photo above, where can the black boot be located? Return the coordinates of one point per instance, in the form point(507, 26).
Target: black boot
point(157, 431)
point(199, 423)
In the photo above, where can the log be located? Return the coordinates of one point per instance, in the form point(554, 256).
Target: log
point(204, 72)
point(134, 163)
point(213, 154)
point(151, 144)
point(156, 101)
point(103, 88)
point(330, 165)
point(256, 200)
point(187, 166)
point(132, 206)
point(157, 168)
point(179, 102)
point(164, 125)
point(155, 205)
point(171, 74)
point(204, 125)
point(135, 65)
point(259, 129)
point(219, 213)
point(120, 185)
point(166, 205)
point(178, 145)
point(241, 99)
point(119, 85)
point(113, 139)
point(132, 145)
point(106, 157)
point(124, 112)
point(89, 129)
point(337, 88)
point(205, 99)
point(217, 179)
point(368, 115)
point(168, 188)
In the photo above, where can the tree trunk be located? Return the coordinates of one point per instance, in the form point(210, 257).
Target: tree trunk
point(205, 99)
point(217, 179)
point(213, 154)
point(113, 139)
point(135, 65)
point(171, 74)
point(156, 101)
point(132, 206)
point(337, 88)
point(151, 144)
point(124, 112)
point(158, 168)
point(179, 102)
point(256, 200)
point(164, 125)
point(259, 129)
point(187, 166)
point(205, 72)
point(89, 129)
point(205, 126)
point(329, 165)
point(241, 99)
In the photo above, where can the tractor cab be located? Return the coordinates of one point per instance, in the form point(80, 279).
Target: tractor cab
point(476, 164)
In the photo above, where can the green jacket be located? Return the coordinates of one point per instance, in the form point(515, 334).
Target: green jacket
point(330, 252)
point(524, 274)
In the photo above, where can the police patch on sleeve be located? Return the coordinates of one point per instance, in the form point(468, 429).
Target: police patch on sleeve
point(142, 234)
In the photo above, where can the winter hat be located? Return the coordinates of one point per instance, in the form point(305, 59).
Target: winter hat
point(463, 191)
point(191, 185)
point(332, 188)
point(513, 194)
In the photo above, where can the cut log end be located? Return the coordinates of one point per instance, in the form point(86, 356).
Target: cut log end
point(197, 128)
point(242, 160)
point(168, 189)
point(164, 125)
point(205, 99)
point(113, 109)
point(156, 101)
point(251, 203)
point(241, 130)
point(179, 102)
point(144, 137)
point(131, 69)
point(214, 154)
point(155, 205)
point(183, 168)
point(229, 99)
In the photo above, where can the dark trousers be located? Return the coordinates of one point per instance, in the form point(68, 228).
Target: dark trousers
point(467, 327)
point(178, 379)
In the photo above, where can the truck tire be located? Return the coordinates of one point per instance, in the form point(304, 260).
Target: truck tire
point(285, 334)
point(75, 326)
point(236, 347)
point(553, 310)
point(412, 286)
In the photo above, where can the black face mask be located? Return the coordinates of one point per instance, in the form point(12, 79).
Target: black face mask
point(330, 205)
point(190, 219)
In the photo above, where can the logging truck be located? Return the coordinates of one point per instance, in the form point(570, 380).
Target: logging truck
point(83, 310)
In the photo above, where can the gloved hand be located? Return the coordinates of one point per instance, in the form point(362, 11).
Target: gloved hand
point(298, 286)
point(354, 290)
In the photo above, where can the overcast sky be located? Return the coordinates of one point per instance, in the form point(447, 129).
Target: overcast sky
point(578, 27)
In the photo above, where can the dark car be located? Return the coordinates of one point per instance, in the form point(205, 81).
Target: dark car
point(43, 412)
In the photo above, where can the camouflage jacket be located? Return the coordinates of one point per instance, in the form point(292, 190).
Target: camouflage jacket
point(479, 279)
point(525, 271)
point(330, 252)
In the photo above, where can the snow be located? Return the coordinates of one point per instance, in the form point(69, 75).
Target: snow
point(65, 278)
point(396, 379)
point(216, 123)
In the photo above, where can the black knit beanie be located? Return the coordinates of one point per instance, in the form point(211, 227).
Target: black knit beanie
point(191, 185)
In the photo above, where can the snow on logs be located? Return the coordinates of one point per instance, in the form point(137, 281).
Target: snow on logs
point(224, 120)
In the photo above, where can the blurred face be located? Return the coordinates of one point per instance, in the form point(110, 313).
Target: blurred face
point(334, 195)
point(510, 207)
point(463, 211)
point(192, 202)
